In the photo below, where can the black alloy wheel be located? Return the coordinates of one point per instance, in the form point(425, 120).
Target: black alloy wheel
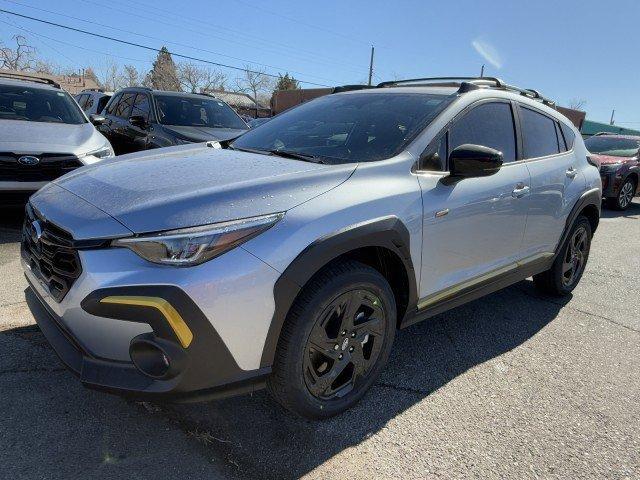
point(335, 341)
point(344, 343)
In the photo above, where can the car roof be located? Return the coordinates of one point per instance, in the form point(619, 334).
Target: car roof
point(165, 92)
point(27, 83)
point(432, 90)
point(618, 135)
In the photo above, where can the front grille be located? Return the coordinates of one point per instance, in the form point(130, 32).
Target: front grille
point(50, 252)
point(49, 167)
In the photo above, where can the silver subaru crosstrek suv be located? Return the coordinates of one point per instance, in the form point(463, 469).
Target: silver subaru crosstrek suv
point(290, 256)
point(43, 135)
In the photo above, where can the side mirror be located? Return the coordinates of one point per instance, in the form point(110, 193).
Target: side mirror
point(468, 161)
point(97, 119)
point(138, 121)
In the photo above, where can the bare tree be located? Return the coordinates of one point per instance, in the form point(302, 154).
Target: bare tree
point(577, 103)
point(194, 78)
point(131, 76)
point(254, 82)
point(111, 76)
point(22, 57)
point(47, 67)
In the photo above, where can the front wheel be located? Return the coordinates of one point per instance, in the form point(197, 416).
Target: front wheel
point(569, 265)
point(335, 341)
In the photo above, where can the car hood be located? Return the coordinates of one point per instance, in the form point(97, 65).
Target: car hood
point(191, 185)
point(39, 137)
point(204, 134)
point(609, 159)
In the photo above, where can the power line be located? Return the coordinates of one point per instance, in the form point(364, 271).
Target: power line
point(158, 39)
point(244, 34)
point(146, 47)
point(74, 46)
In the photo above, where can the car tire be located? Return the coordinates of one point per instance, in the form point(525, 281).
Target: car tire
point(624, 197)
point(570, 263)
point(335, 341)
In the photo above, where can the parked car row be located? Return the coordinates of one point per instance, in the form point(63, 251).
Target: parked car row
point(43, 135)
point(289, 256)
point(619, 159)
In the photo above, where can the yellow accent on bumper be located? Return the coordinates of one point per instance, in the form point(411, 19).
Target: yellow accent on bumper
point(172, 316)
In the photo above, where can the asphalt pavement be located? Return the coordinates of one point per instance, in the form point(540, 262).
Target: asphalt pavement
point(514, 385)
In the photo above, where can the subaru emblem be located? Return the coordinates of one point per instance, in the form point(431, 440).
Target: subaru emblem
point(28, 160)
point(35, 231)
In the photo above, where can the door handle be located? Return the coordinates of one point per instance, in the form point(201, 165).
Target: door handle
point(520, 191)
point(571, 172)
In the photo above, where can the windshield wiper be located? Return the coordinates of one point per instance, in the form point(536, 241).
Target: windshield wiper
point(295, 155)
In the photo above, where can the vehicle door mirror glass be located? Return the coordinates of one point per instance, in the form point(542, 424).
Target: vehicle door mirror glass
point(138, 121)
point(469, 160)
point(97, 119)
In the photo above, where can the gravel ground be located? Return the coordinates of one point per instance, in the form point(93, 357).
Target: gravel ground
point(515, 385)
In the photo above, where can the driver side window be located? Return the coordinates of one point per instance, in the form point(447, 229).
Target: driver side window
point(490, 125)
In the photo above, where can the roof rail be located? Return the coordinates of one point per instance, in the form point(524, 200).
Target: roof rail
point(348, 88)
point(101, 90)
point(447, 81)
point(466, 84)
point(600, 134)
point(30, 78)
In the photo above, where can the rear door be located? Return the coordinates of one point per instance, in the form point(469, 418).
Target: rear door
point(472, 228)
point(556, 182)
point(137, 137)
point(120, 123)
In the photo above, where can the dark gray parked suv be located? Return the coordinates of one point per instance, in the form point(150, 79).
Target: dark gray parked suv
point(140, 118)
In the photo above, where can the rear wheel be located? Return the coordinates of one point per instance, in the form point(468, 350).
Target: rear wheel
point(335, 341)
point(569, 265)
point(625, 195)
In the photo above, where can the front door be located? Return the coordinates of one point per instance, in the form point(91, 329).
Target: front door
point(473, 228)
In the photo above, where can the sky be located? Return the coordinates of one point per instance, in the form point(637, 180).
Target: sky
point(566, 49)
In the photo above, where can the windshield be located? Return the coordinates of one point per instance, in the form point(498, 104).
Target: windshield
point(38, 105)
point(616, 147)
point(189, 111)
point(361, 127)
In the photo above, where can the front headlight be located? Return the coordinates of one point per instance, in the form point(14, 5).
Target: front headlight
point(193, 246)
point(98, 154)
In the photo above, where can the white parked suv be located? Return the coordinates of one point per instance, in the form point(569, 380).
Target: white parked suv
point(92, 100)
point(289, 256)
point(43, 135)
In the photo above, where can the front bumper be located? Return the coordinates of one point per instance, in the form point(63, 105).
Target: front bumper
point(206, 369)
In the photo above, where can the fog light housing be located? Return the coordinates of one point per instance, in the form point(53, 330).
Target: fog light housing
point(155, 357)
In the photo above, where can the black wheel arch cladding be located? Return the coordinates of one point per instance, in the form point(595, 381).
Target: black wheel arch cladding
point(388, 233)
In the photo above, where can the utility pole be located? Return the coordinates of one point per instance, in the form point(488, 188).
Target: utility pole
point(612, 114)
point(371, 66)
point(482, 71)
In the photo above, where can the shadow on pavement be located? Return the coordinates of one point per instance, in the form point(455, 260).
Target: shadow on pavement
point(632, 211)
point(254, 437)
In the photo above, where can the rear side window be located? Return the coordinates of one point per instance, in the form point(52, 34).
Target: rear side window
point(489, 125)
point(538, 134)
point(569, 136)
point(102, 102)
point(111, 108)
point(124, 105)
point(560, 137)
point(82, 100)
point(89, 103)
